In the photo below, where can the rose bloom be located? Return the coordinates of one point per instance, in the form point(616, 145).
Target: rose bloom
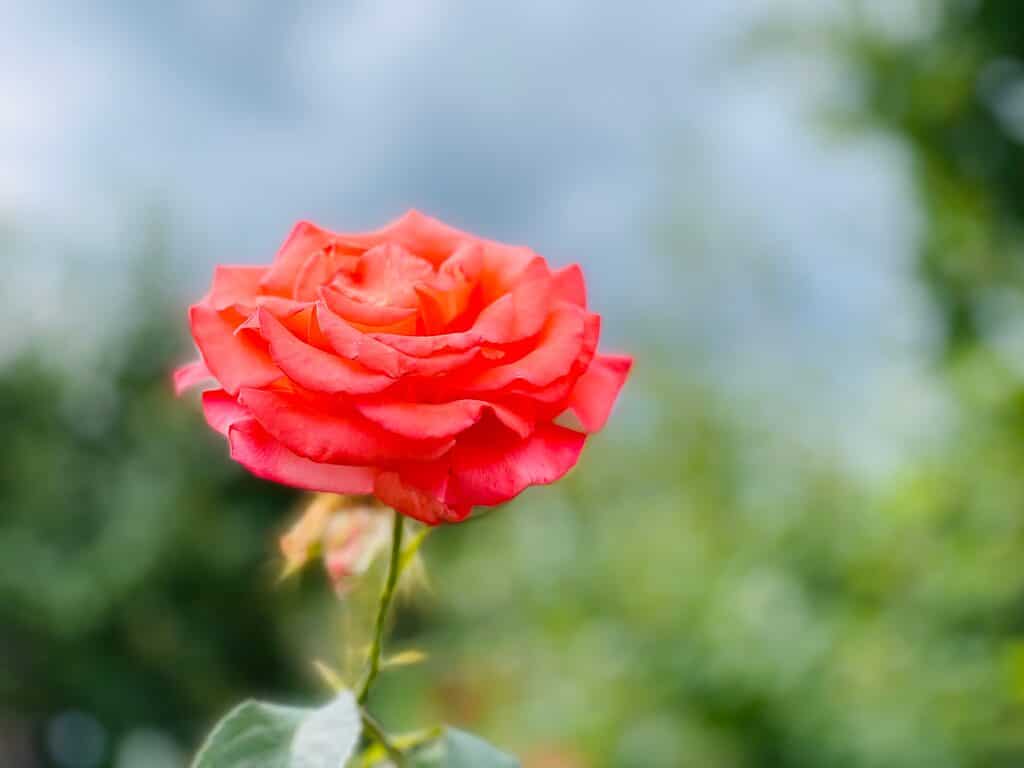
point(423, 365)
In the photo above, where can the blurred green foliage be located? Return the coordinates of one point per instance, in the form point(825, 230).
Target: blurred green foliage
point(953, 91)
point(133, 584)
point(698, 593)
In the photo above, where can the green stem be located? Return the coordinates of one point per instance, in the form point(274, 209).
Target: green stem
point(382, 610)
point(374, 730)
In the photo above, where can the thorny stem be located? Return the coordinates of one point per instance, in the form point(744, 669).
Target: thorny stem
point(382, 609)
point(371, 726)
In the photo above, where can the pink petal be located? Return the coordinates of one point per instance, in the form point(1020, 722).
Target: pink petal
point(265, 457)
point(389, 272)
point(422, 235)
point(490, 468)
point(418, 494)
point(333, 438)
point(513, 317)
point(570, 286)
point(222, 410)
point(357, 346)
point(439, 420)
point(348, 306)
point(596, 390)
point(319, 269)
point(516, 315)
point(190, 374)
point(559, 346)
point(354, 345)
point(315, 369)
point(235, 285)
point(506, 266)
point(305, 239)
point(447, 296)
point(234, 360)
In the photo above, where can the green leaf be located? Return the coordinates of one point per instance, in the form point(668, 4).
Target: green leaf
point(327, 736)
point(458, 749)
point(260, 735)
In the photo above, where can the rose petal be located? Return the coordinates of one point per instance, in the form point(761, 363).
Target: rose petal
point(389, 273)
point(234, 285)
point(222, 410)
point(333, 438)
point(448, 296)
point(596, 390)
point(261, 454)
point(315, 369)
point(568, 285)
point(513, 317)
point(516, 315)
point(353, 345)
point(558, 347)
point(235, 360)
point(422, 235)
point(506, 266)
point(356, 346)
point(439, 420)
point(319, 268)
point(190, 374)
point(305, 239)
point(344, 303)
point(396, 490)
point(489, 468)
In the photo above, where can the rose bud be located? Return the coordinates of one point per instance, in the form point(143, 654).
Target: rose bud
point(353, 539)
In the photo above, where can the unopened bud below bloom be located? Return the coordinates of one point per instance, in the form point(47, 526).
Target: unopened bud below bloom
point(348, 532)
point(353, 539)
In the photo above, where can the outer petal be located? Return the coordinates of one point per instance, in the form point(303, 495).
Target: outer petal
point(559, 347)
point(190, 374)
point(235, 360)
point(222, 410)
point(235, 285)
point(333, 438)
point(489, 469)
point(315, 369)
point(439, 420)
point(418, 492)
point(594, 394)
point(258, 452)
point(570, 286)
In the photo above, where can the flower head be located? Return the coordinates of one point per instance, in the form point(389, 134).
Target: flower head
point(417, 363)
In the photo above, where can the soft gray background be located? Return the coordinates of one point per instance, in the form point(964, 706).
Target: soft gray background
point(658, 143)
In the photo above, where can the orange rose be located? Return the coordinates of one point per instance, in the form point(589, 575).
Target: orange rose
point(417, 363)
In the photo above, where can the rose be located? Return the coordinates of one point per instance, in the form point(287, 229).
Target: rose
point(417, 363)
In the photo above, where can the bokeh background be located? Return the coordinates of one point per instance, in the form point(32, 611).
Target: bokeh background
point(799, 541)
